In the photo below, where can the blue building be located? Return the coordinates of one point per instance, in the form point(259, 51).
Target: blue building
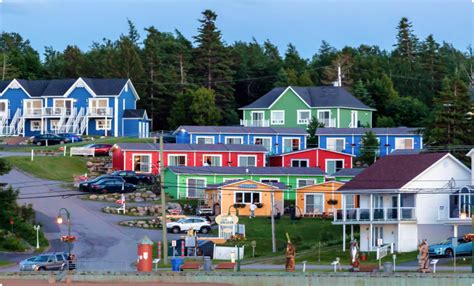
point(102, 107)
point(275, 140)
point(348, 140)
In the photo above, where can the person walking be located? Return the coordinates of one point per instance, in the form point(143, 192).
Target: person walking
point(253, 207)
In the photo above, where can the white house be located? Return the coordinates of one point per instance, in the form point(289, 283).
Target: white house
point(402, 199)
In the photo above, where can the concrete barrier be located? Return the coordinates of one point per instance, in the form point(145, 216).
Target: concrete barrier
point(266, 278)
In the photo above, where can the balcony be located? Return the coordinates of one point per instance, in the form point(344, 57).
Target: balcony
point(255, 123)
point(328, 122)
point(376, 215)
point(100, 111)
point(47, 111)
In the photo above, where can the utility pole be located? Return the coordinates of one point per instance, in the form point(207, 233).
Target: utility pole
point(339, 76)
point(163, 203)
point(273, 222)
point(4, 68)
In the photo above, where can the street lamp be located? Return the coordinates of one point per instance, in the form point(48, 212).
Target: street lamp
point(464, 211)
point(60, 220)
point(37, 228)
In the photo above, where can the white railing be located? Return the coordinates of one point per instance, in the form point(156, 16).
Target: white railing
point(377, 214)
point(81, 151)
point(255, 123)
point(100, 111)
point(56, 111)
point(328, 122)
point(77, 121)
point(83, 125)
point(70, 121)
point(32, 112)
point(20, 125)
point(14, 121)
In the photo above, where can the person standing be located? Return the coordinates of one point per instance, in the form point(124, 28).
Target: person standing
point(253, 207)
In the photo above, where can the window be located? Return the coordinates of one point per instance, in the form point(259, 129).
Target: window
point(403, 143)
point(102, 124)
point(268, 181)
point(350, 201)
point(300, 163)
point(354, 123)
point(313, 203)
point(247, 197)
point(304, 116)
point(212, 160)
point(54, 124)
point(278, 117)
point(335, 144)
point(98, 106)
point(3, 107)
point(59, 257)
point(196, 188)
point(232, 179)
point(305, 182)
point(247, 161)
point(291, 144)
point(142, 163)
point(35, 125)
point(176, 160)
point(377, 235)
point(233, 140)
point(32, 107)
point(265, 141)
point(332, 166)
point(204, 140)
point(324, 117)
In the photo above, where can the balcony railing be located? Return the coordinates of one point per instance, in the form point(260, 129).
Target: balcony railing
point(47, 111)
point(255, 123)
point(377, 215)
point(328, 122)
point(100, 111)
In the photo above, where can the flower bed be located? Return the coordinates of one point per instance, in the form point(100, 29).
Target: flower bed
point(137, 197)
point(154, 223)
point(152, 210)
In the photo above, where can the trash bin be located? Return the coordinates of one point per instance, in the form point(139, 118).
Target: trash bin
point(207, 265)
point(388, 267)
point(176, 264)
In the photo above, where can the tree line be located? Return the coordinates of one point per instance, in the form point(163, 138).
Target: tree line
point(203, 80)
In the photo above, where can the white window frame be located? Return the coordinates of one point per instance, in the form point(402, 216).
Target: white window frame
point(324, 111)
point(314, 194)
point(195, 178)
point(251, 196)
point(274, 122)
point(269, 179)
point(240, 156)
point(354, 122)
point(40, 127)
point(212, 155)
point(205, 137)
point(109, 124)
point(54, 127)
point(231, 179)
point(305, 179)
point(62, 100)
point(234, 137)
point(329, 160)
point(263, 138)
point(258, 111)
point(298, 118)
point(142, 155)
point(178, 155)
point(397, 141)
point(97, 100)
point(328, 145)
point(30, 101)
point(306, 160)
point(7, 103)
point(292, 138)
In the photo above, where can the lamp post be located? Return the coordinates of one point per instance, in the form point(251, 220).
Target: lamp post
point(464, 211)
point(37, 228)
point(59, 220)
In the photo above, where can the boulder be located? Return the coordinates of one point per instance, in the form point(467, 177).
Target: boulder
point(100, 197)
point(93, 197)
point(138, 199)
point(110, 199)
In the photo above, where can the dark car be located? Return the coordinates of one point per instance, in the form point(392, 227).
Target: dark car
point(100, 149)
point(72, 136)
point(111, 185)
point(135, 178)
point(84, 186)
point(49, 139)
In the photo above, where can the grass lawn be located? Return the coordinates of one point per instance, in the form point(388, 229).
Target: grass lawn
point(51, 168)
point(6, 263)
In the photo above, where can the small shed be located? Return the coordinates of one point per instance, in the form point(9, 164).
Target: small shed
point(136, 123)
point(238, 195)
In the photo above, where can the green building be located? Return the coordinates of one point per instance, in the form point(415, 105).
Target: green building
point(295, 106)
point(190, 182)
point(347, 174)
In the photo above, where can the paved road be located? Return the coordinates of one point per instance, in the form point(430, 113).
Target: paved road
point(99, 236)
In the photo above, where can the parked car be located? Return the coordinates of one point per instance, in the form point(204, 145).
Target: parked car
point(100, 149)
point(72, 136)
point(446, 248)
point(51, 139)
point(111, 185)
point(47, 261)
point(84, 186)
point(196, 223)
point(135, 178)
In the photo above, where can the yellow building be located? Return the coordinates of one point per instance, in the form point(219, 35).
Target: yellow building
point(238, 195)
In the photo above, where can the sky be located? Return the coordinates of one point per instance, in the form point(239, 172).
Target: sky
point(304, 23)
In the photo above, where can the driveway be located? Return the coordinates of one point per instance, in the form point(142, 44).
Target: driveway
point(100, 241)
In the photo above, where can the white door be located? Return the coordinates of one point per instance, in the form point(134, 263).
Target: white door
point(314, 203)
point(354, 119)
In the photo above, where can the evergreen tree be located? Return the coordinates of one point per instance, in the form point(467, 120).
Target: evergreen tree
point(330, 73)
point(292, 77)
point(293, 60)
point(19, 59)
point(385, 121)
point(431, 65)
point(203, 109)
point(406, 46)
point(381, 89)
point(53, 63)
point(282, 79)
point(212, 66)
point(313, 126)
point(73, 62)
point(180, 111)
point(362, 94)
point(369, 148)
point(305, 79)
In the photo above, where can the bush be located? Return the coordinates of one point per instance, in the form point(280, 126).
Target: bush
point(10, 242)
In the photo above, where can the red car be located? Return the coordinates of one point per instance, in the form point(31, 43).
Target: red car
point(100, 149)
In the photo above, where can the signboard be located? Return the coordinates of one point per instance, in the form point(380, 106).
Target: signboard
point(227, 220)
point(226, 252)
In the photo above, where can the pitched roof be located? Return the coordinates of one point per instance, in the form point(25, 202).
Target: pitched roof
point(362, 131)
point(191, 147)
point(246, 170)
point(314, 96)
point(241, 130)
point(58, 87)
point(276, 185)
point(309, 150)
point(134, 113)
point(392, 172)
point(405, 152)
point(348, 172)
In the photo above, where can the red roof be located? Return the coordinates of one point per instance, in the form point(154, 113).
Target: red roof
point(392, 172)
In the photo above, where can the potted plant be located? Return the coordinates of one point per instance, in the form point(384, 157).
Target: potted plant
point(239, 205)
point(259, 205)
point(332, 202)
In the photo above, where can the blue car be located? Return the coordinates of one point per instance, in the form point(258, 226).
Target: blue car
point(446, 248)
point(73, 137)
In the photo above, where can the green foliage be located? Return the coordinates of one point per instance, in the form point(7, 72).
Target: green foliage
point(385, 121)
point(362, 94)
point(369, 149)
point(203, 109)
point(313, 126)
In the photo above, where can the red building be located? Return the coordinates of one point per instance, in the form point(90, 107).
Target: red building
point(144, 157)
point(326, 160)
